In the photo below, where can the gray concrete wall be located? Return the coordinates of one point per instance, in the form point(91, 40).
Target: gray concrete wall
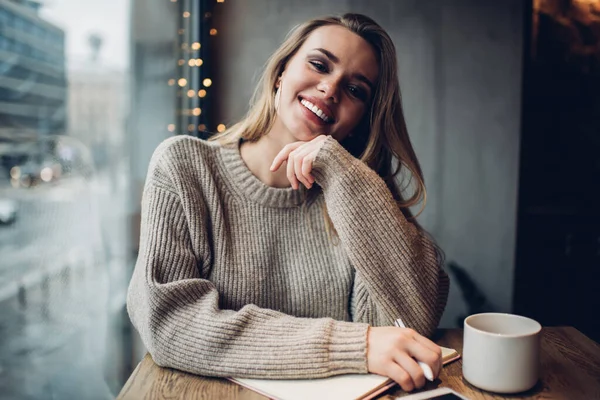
point(460, 72)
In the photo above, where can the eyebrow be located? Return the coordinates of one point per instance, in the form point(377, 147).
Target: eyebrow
point(334, 59)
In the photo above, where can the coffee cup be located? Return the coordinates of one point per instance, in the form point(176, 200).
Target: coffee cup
point(501, 352)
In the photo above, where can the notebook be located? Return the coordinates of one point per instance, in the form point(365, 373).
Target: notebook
point(352, 386)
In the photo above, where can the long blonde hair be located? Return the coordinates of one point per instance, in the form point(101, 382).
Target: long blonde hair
point(380, 139)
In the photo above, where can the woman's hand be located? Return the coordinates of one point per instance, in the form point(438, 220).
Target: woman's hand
point(394, 352)
point(299, 157)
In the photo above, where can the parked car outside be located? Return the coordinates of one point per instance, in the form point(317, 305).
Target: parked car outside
point(8, 211)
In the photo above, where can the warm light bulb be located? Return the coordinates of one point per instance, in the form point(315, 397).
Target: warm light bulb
point(191, 127)
point(171, 127)
point(191, 93)
point(195, 45)
point(207, 82)
point(213, 32)
point(180, 31)
point(197, 111)
point(199, 62)
point(186, 14)
point(221, 128)
point(182, 82)
point(201, 127)
point(192, 62)
point(180, 62)
point(171, 82)
point(201, 93)
point(220, 1)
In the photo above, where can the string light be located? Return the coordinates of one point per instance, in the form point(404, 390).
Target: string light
point(188, 108)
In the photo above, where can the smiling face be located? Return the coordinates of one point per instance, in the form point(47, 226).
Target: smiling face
point(327, 86)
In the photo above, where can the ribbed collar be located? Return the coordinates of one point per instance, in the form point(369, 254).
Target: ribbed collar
point(246, 184)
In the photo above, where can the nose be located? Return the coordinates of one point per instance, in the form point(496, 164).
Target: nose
point(329, 87)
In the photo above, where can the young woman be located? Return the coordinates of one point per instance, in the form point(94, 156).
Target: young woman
point(285, 248)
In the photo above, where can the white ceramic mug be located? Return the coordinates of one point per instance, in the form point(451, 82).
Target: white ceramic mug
point(501, 352)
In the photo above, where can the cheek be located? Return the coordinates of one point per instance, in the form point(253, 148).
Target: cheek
point(353, 116)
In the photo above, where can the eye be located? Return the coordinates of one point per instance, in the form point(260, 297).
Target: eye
point(357, 92)
point(319, 66)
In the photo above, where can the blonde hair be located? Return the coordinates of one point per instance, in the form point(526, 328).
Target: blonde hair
point(379, 139)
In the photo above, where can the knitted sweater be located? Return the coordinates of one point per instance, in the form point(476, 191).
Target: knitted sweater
point(237, 278)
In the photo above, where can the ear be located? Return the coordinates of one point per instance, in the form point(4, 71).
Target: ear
point(278, 83)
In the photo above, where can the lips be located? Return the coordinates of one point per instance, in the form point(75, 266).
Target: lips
point(318, 108)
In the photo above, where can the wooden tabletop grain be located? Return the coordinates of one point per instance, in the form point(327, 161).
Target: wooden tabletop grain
point(570, 370)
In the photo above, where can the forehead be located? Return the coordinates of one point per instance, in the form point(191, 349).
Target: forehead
point(354, 53)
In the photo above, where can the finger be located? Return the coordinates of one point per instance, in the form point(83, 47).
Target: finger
point(298, 161)
point(284, 154)
point(400, 376)
point(424, 354)
point(433, 347)
point(290, 172)
point(321, 137)
point(427, 343)
point(414, 370)
point(307, 166)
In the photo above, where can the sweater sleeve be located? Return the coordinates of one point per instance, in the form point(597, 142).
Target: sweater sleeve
point(176, 310)
point(397, 269)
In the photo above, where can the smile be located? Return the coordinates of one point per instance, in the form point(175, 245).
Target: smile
point(316, 110)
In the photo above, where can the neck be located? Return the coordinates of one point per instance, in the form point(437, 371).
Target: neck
point(259, 156)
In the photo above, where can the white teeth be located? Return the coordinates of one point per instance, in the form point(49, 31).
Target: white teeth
point(318, 112)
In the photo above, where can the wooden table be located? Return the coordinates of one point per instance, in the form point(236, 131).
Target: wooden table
point(570, 370)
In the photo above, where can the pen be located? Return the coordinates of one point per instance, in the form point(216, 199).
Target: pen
point(426, 368)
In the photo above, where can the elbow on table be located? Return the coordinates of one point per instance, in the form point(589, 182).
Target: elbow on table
point(141, 317)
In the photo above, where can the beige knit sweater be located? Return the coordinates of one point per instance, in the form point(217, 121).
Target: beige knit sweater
point(236, 278)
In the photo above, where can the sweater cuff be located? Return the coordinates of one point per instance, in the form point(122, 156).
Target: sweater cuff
point(332, 161)
point(348, 348)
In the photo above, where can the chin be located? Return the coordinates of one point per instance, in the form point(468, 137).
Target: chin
point(304, 135)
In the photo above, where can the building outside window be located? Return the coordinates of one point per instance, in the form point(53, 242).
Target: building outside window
point(87, 91)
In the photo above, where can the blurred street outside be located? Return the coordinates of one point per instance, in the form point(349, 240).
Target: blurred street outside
point(63, 271)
